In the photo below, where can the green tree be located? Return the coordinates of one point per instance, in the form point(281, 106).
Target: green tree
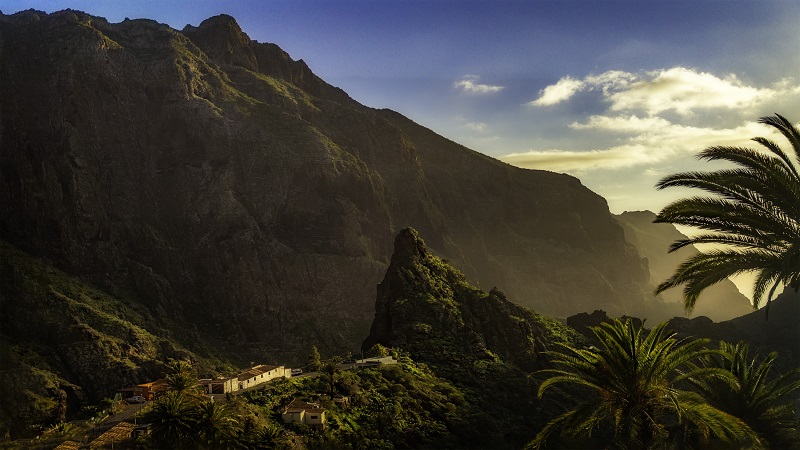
point(754, 214)
point(314, 360)
point(635, 377)
point(377, 350)
point(174, 420)
point(268, 436)
point(764, 403)
point(181, 377)
point(217, 428)
point(331, 368)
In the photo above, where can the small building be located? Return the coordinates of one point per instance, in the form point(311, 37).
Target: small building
point(220, 385)
point(147, 390)
point(259, 374)
point(299, 411)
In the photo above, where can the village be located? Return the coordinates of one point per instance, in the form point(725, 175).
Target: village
point(124, 427)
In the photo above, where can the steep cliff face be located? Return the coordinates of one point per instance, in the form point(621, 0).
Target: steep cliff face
point(426, 307)
point(722, 301)
point(229, 186)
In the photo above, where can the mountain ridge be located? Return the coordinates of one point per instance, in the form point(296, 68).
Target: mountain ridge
point(228, 186)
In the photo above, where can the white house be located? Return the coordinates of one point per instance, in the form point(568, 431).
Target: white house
point(259, 374)
point(301, 412)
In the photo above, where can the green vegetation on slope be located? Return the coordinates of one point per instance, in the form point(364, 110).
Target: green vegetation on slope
point(65, 344)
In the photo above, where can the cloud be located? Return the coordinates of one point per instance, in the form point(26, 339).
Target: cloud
point(684, 90)
point(477, 126)
point(469, 84)
point(651, 140)
point(678, 89)
point(559, 92)
point(654, 118)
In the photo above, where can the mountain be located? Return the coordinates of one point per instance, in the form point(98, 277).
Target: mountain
point(226, 187)
point(66, 344)
point(479, 341)
point(428, 308)
point(722, 301)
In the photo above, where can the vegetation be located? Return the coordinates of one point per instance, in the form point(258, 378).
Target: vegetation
point(402, 405)
point(314, 359)
point(636, 400)
point(764, 403)
point(66, 344)
point(650, 390)
point(755, 215)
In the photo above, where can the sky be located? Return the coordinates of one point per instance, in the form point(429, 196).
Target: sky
point(617, 93)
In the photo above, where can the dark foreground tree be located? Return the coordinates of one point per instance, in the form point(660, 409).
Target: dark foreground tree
point(763, 402)
point(754, 214)
point(633, 399)
point(174, 419)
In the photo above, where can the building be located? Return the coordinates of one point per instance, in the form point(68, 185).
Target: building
point(259, 374)
point(147, 390)
point(220, 385)
point(299, 411)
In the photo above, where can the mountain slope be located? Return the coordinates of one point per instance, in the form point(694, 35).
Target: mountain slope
point(65, 344)
point(229, 187)
point(722, 301)
point(479, 341)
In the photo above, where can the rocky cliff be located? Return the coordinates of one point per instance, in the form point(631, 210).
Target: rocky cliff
point(722, 301)
point(428, 308)
point(225, 185)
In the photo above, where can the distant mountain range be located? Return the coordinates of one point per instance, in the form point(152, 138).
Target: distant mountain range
point(721, 301)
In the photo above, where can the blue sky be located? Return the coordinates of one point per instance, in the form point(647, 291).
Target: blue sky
point(618, 93)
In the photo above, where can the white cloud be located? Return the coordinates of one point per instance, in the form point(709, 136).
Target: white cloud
point(559, 92)
point(652, 140)
point(684, 90)
point(677, 89)
point(657, 117)
point(477, 126)
point(469, 84)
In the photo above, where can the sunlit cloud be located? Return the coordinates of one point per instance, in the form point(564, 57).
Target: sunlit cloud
point(653, 118)
point(559, 92)
point(677, 89)
point(684, 90)
point(469, 84)
point(651, 141)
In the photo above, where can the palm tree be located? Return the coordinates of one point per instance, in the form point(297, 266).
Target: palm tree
point(634, 378)
point(174, 420)
point(268, 436)
point(180, 377)
point(216, 425)
point(764, 403)
point(755, 215)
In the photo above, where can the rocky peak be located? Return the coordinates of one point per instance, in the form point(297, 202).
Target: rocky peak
point(428, 308)
point(221, 38)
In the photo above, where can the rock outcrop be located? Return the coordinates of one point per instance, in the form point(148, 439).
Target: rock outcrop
point(428, 308)
point(226, 186)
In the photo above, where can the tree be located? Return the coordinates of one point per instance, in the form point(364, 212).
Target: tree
point(634, 378)
point(764, 403)
point(174, 420)
point(754, 214)
point(331, 368)
point(314, 360)
point(180, 377)
point(216, 426)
